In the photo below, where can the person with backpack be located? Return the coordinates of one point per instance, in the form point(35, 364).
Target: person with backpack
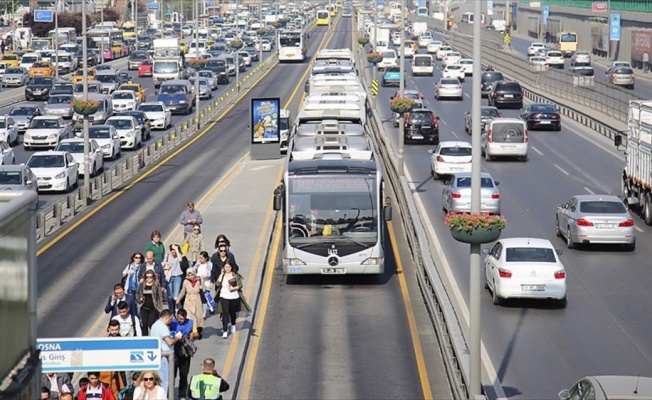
point(129, 323)
point(127, 393)
point(183, 349)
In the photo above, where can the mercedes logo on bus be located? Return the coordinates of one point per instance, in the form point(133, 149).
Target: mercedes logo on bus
point(333, 261)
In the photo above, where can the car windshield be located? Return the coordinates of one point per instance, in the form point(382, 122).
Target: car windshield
point(39, 80)
point(455, 151)
point(543, 108)
point(123, 96)
point(120, 123)
point(623, 71)
point(172, 89)
point(509, 86)
point(584, 71)
point(530, 254)
point(150, 107)
point(14, 71)
point(449, 82)
point(489, 112)
point(22, 111)
point(29, 59)
point(465, 181)
point(10, 178)
point(44, 124)
point(40, 64)
point(62, 86)
point(140, 117)
point(138, 56)
point(206, 74)
point(3, 123)
point(106, 78)
point(60, 100)
point(602, 207)
point(71, 147)
point(420, 116)
point(46, 161)
point(99, 133)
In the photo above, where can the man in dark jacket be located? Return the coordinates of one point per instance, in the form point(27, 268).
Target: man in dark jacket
point(155, 266)
point(118, 296)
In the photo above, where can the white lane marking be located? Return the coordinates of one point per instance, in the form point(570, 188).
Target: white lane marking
point(561, 169)
point(442, 120)
point(463, 309)
point(638, 229)
point(467, 95)
point(589, 190)
point(455, 134)
point(537, 151)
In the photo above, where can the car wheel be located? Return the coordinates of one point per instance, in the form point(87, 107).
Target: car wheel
point(630, 247)
point(557, 229)
point(487, 157)
point(569, 239)
point(67, 189)
point(647, 211)
point(558, 128)
point(523, 158)
point(494, 297)
point(486, 281)
point(561, 303)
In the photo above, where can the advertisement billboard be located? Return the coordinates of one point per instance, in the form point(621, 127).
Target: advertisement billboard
point(265, 120)
point(641, 42)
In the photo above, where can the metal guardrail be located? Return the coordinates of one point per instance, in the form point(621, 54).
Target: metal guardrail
point(449, 332)
point(51, 219)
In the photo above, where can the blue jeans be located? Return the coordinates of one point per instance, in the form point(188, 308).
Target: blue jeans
point(163, 373)
point(174, 289)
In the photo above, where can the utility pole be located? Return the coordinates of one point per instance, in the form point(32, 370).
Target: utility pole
point(401, 91)
point(196, 12)
point(56, 39)
point(87, 176)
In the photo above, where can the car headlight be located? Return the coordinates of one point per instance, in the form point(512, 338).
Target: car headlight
point(130, 134)
point(60, 175)
point(182, 102)
point(27, 136)
point(106, 146)
point(53, 136)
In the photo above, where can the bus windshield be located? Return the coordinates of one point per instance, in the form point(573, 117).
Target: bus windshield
point(568, 37)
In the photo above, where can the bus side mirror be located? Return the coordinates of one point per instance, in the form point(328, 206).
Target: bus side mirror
point(306, 87)
point(387, 209)
point(278, 198)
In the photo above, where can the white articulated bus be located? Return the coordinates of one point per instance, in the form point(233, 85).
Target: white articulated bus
point(292, 45)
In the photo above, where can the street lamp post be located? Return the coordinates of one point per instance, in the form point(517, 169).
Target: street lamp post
point(102, 26)
point(236, 56)
point(475, 272)
point(196, 12)
point(87, 176)
point(373, 46)
point(56, 39)
point(134, 12)
point(401, 89)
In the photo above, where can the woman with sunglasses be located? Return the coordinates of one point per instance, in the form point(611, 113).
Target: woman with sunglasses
point(172, 266)
point(196, 243)
point(221, 257)
point(150, 299)
point(130, 273)
point(191, 299)
point(148, 387)
point(222, 239)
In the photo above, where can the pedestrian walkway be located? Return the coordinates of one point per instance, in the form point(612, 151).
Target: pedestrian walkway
point(239, 206)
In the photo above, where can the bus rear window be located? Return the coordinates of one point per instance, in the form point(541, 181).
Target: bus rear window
point(569, 37)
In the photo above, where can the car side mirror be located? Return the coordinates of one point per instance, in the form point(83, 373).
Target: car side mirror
point(485, 251)
point(438, 117)
point(564, 394)
point(27, 182)
point(496, 183)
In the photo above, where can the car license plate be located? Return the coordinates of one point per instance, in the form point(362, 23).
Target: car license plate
point(419, 137)
point(533, 288)
point(290, 55)
point(508, 147)
point(509, 96)
point(544, 122)
point(333, 271)
point(605, 226)
point(457, 169)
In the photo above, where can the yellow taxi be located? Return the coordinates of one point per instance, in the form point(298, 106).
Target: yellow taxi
point(134, 87)
point(78, 76)
point(184, 47)
point(11, 60)
point(41, 68)
point(413, 44)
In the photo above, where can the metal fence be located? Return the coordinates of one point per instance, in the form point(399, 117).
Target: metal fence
point(50, 219)
point(614, 5)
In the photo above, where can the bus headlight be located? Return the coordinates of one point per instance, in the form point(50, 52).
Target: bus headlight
point(373, 261)
point(293, 262)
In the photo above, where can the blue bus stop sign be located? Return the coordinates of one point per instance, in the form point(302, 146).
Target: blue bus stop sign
point(614, 26)
point(546, 14)
point(153, 6)
point(43, 16)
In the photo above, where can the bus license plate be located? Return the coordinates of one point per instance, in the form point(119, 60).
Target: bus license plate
point(333, 271)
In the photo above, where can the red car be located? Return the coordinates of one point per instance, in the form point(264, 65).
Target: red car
point(145, 68)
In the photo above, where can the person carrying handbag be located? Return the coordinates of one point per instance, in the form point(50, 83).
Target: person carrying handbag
point(190, 298)
point(231, 299)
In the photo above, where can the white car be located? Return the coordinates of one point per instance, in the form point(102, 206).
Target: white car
point(441, 51)
point(450, 157)
point(450, 58)
point(408, 51)
point(159, 116)
point(75, 147)
point(448, 87)
point(108, 139)
point(54, 170)
point(128, 129)
point(265, 44)
point(210, 77)
point(433, 46)
point(46, 131)
point(534, 46)
point(467, 66)
point(8, 130)
point(555, 59)
point(246, 57)
point(425, 39)
point(525, 268)
point(125, 100)
point(454, 71)
point(390, 59)
point(396, 40)
point(7, 156)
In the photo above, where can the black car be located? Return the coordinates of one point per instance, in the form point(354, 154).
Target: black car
point(143, 121)
point(219, 69)
point(488, 78)
point(124, 77)
point(542, 115)
point(62, 88)
point(39, 88)
point(90, 58)
point(253, 53)
point(506, 93)
point(421, 126)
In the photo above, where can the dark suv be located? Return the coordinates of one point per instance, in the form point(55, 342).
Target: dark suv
point(488, 78)
point(421, 126)
point(506, 93)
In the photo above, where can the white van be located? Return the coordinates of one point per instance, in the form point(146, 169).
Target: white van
point(423, 64)
point(505, 137)
point(28, 59)
point(389, 59)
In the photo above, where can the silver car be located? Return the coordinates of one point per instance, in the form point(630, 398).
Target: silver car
point(22, 115)
point(456, 194)
point(595, 218)
point(580, 58)
point(60, 106)
point(210, 77)
point(447, 88)
point(487, 113)
point(205, 91)
point(17, 177)
point(15, 76)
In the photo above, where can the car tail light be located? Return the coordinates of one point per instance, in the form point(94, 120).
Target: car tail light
point(494, 95)
point(629, 222)
point(495, 195)
point(583, 222)
point(535, 115)
point(555, 116)
point(504, 273)
point(489, 136)
point(561, 274)
point(440, 159)
point(434, 122)
point(407, 119)
point(525, 138)
point(458, 87)
point(520, 95)
point(456, 195)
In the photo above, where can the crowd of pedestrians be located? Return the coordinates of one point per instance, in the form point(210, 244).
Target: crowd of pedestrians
point(169, 293)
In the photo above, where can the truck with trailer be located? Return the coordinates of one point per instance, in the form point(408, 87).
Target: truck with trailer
point(637, 174)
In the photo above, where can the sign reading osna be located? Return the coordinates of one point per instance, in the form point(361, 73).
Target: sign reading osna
point(99, 354)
